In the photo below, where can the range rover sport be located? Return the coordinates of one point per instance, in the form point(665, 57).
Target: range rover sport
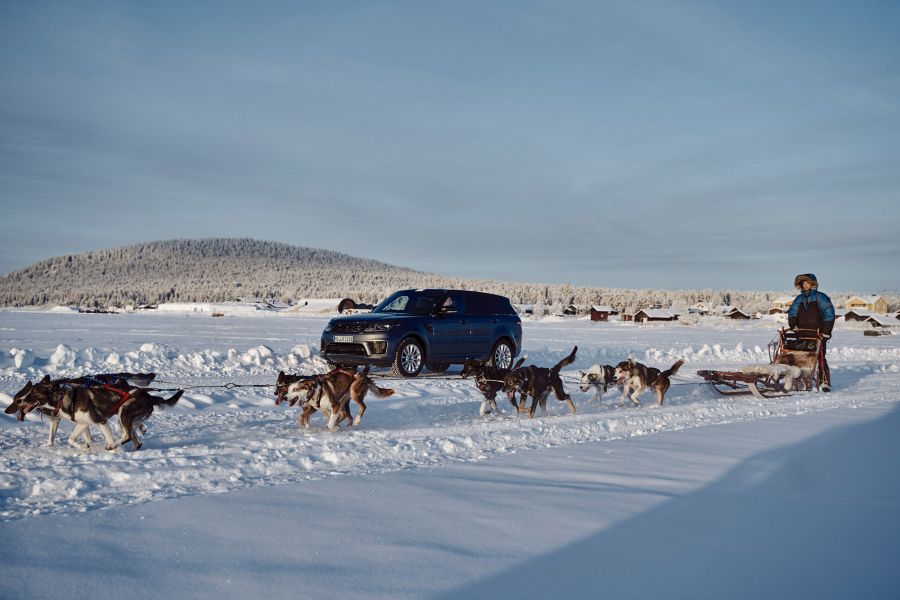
point(412, 329)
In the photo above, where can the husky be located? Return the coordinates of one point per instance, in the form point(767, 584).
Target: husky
point(331, 394)
point(636, 377)
point(599, 377)
point(283, 384)
point(489, 380)
point(90, 405)
point(538, 382)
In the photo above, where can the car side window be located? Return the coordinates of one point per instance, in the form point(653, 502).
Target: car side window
point(424, 305)
point(479, 304)
point(455, 302)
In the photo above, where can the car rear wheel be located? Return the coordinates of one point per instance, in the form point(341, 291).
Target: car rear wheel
point(408, 359)
point(501, 355)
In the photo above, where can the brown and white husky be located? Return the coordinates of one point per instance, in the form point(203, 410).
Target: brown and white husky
point(636, 377)
point(331, 394)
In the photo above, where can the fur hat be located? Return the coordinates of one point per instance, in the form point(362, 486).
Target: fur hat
point(799, 279)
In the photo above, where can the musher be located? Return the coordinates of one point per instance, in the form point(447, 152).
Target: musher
point(812, 309)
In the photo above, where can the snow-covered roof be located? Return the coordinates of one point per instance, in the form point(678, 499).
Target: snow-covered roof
point(861, 312)
point(658, 313)
point(883, 320)
point(602, 308)
point(870, 299)
point(783, 300)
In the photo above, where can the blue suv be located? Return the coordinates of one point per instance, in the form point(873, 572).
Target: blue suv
point(434, 328)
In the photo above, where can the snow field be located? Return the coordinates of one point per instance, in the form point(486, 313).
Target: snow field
point(217, 440)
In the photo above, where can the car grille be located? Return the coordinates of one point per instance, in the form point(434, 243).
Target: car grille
point(337, 348)
point(351, 327)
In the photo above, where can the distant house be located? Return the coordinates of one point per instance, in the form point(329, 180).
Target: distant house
point(781, 304)
point(872, 303)
point(858, 315)
point(602, 312)
point(570, 310)
point(883, 320)
point(736, 313)
point(524, 309)
point(699, 309)
point(647, 315)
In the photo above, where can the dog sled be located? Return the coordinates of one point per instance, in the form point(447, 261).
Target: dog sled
point(796, 358)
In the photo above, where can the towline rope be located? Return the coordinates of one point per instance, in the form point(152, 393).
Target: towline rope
point(227, 386)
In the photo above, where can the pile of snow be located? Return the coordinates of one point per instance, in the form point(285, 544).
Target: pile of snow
point(64, 309)
point(160, 358)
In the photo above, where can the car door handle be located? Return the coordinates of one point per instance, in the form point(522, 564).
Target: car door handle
point(463, 321)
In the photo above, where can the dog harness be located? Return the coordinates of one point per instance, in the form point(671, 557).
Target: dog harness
point(123, 398)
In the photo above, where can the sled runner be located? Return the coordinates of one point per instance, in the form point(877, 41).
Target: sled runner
point(796, 359)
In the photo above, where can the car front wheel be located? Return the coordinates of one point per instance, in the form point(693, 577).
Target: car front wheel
point(502, 355)
point(408, 359)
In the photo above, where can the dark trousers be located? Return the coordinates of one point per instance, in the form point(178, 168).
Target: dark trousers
point(825, 376)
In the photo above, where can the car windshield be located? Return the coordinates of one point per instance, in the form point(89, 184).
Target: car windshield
point(411, 302)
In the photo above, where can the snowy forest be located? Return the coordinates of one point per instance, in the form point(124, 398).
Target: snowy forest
point(225, 269)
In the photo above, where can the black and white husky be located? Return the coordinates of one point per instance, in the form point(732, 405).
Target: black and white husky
point(599, 377)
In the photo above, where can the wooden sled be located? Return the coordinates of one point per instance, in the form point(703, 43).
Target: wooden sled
point(799, 348)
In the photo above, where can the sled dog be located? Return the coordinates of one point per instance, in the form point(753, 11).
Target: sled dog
point(599, 377)
point(489, 380)
point(331, 394)
point(90, 405)
point(538, 382)
point(636, 377)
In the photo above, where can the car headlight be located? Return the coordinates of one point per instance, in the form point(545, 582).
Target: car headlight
point(376, 327)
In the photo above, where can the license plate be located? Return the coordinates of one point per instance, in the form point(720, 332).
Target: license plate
point(343, 338)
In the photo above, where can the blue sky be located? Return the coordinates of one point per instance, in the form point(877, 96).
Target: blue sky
point(621, 144)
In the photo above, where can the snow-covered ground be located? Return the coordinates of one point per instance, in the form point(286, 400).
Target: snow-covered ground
point(227, 497)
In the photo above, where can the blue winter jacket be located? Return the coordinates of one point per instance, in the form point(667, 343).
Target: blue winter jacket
point(799, 314)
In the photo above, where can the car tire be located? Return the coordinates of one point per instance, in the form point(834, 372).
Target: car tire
point(502, 355)
point(408, 359)
point(438, 367)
